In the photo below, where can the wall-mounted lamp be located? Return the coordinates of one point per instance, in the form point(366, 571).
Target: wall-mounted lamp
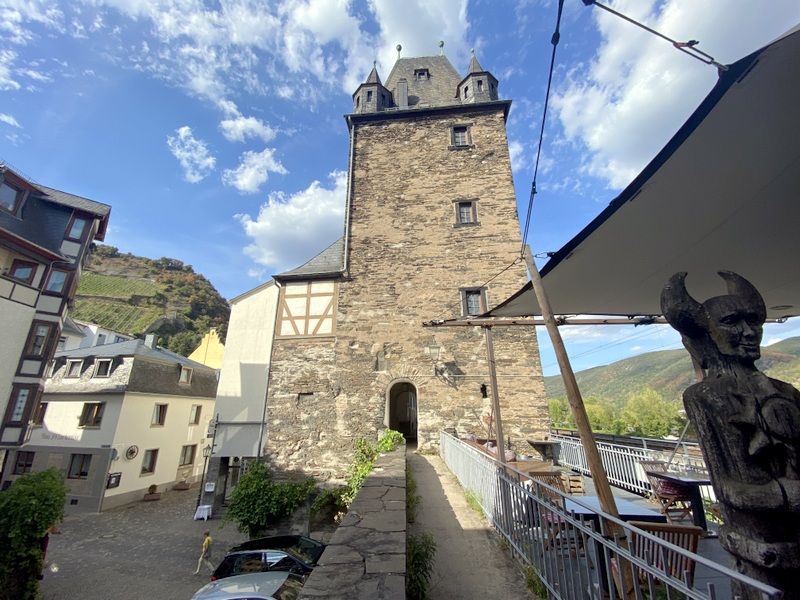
point(433, 352)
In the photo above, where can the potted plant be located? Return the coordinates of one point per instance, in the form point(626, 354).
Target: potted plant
point(152, 494)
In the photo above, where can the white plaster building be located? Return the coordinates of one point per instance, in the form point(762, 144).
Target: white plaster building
point(118, 418)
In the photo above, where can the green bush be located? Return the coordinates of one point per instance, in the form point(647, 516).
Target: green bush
point(420, 556)
point(258, 500)
point(412, 499)
point(32, 504)
point(389, 440)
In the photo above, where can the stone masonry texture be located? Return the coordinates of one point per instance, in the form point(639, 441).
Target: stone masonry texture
point(407, 262)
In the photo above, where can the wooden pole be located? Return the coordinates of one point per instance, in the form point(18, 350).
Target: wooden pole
point(599, 477)
point(498, 422)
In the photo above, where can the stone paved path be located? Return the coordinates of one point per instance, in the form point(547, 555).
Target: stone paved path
point(470, 562)
point(145, 551)
point(148, 550)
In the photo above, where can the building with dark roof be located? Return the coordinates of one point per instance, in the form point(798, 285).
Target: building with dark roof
point(431, 231)
point(45, 237)
point(117, 419)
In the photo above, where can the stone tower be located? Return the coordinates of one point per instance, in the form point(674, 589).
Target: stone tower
point(431, 224)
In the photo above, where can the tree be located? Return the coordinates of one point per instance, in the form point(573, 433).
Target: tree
point(648, 414)
point(560, 412)
point(32, 504)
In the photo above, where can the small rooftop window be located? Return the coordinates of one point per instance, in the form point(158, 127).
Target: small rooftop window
point(421, 74)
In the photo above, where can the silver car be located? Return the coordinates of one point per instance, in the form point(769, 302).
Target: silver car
point(269, 585)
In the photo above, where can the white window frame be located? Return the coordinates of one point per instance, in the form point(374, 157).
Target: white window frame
point(149, 461)
point(102, 362)
point(159, 415)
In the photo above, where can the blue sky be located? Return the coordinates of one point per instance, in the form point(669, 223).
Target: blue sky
point(215, 129)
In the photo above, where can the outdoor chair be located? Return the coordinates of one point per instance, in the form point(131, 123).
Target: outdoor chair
point(557, 532)
point(573, 483)
point(674, 500)
point(668, 561)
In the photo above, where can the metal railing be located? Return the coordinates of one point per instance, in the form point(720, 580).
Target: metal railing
point(622, 463)
point(572, 552)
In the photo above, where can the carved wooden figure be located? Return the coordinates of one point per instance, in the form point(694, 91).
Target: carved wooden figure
point(748, 426)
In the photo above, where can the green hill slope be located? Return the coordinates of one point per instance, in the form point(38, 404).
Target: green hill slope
point(669, 372)
point(137, 295)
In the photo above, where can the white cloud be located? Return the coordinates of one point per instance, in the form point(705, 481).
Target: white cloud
point(518, 157)
point(241, 128)
point(7, 82)
point(253, 170)
point(291, 229)
point(418, 25)
point(626, 103)
point(192, 154)
point(9, 119)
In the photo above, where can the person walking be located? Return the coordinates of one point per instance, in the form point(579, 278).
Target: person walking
point(205, 554)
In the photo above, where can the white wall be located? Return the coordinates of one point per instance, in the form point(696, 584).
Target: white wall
point(243, 379)
point(15, 320)
point(135, 428)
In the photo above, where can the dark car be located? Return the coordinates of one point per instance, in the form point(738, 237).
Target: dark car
point(296, 554)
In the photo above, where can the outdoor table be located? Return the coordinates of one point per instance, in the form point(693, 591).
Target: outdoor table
point(693, 486)
point(203, 512)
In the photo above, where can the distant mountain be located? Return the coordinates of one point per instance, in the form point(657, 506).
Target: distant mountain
point(137, 295)
point(669, 372)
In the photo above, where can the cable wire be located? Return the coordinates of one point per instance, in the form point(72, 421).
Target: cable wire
point(685, 47)
point(554, 41)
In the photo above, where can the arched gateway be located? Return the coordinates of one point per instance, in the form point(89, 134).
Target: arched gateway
point(401, 409)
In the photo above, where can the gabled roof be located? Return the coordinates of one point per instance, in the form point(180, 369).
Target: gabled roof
point(440, 90)
point(102, 211)
point(44, 217)
point(131, 348)
point(328, 263)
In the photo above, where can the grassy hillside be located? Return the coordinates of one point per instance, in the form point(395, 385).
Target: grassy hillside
point(669, 372)
point(137, 295)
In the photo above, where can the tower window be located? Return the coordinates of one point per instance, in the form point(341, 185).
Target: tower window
point(473, 301)
point(421, 74)
point(480, 85)
point(369, 96)
point(466, 212)
point(460, 136)
point(466, 90)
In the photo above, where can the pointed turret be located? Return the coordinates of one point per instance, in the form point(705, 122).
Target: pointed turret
point(478, 85)
point(371, 96)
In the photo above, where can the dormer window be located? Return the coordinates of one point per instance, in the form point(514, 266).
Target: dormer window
point(186, 375)
point(74, 368)
point(9, 197)
point(422, 74)
point(76, 228)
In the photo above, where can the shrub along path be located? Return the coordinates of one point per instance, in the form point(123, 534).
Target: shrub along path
point(470, 562)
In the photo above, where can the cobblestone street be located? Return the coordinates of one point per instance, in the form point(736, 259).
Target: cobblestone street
point(142, 551)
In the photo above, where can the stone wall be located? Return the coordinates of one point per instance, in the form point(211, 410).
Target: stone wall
point(408, 262)
point(366, 558)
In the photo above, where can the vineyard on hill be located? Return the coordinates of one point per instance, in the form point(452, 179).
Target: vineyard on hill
point(136, 295)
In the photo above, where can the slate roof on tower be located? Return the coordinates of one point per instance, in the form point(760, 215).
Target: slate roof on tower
point(328, 263)
point(440, 89)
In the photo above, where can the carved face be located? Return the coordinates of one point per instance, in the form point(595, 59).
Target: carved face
point(735, 327)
